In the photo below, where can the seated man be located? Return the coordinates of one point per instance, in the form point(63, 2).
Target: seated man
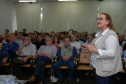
point(74, 43)
point(45, 55)
point(33, 39)
point(39, 41)
point(89, 40)
point(66, 54)
point(23, 55)
point(19, 41)
point(11, 45)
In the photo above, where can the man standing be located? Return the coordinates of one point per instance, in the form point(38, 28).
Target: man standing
point(74, 43)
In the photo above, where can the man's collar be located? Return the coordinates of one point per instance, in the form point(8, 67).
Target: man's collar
point(67, 46)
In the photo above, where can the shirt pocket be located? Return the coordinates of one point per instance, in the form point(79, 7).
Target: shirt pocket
point(107, 65)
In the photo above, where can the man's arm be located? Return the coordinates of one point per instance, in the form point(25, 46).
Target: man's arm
point(75, 54)
point(20, 49)
point(27, 57)
point(59, 53)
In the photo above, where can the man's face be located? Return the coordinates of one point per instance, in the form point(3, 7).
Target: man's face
point(48, 41)
point(90, 38)
point(24, 31)
point(33, 37)
point(62, 36)
point(20, 35)
point(39, 38)
point(67, 42)
point(11, 38)
point(53, 34)
point(26, 40)
point(73, 38)
point(6, 32)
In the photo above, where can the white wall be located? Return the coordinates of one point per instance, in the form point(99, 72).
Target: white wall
point(6, 16)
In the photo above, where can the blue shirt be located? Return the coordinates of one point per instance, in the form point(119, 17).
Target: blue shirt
point(75, 54)
point(7, 47)
point(124, 53)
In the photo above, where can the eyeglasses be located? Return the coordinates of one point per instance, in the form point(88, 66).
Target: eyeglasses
point(100, 19)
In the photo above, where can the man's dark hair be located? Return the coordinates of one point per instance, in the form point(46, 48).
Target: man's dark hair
point(39, 35)
point(62, 33)
point(7, 30)
point(92, 35)
point(68, 38)
point(33, 34)
point(19, 32)
point(47, 34)
point(24, 29)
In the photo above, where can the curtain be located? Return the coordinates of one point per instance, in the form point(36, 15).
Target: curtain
point(55, 16)
point(28, 16)
point(117, 10)
point(82, 16)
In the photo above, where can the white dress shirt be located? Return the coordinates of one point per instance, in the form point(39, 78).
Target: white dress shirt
point(77, 45)
point(110, 45)
point(28, 50)
point(48, 49)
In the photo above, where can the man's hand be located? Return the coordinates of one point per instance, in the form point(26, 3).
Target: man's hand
point(25, 59)
point(24, 43)
point(5, 60)
point(65, 58)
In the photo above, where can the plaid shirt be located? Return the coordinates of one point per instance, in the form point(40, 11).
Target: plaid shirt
point(7, 47)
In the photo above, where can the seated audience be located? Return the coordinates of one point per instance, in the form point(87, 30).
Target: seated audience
point(11, 45)
point(6, 33)
point(121, 39)
point(83, 37)
point(30, 35)
point(90, 38)
point(19, 41)
point(45, 55)
point(66, 54)
point(62, 38)
point(74, 43)
point(56, 42)
point(23, 55)
point(39, 41)
point(33, 39)
point(124, 51)
point(24, 32)
point(5, 39)
point(66, 34)
point(78, 39)
point(52, 34)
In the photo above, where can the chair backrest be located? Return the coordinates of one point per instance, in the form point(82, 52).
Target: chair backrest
point(85, 57)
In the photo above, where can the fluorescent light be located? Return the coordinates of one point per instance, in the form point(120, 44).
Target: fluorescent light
point(67, 0)
point(27, 0)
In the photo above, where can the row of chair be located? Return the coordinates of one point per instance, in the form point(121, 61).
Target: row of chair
point(81, 63)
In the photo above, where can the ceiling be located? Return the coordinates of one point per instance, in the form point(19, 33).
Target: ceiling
point(54, 0)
